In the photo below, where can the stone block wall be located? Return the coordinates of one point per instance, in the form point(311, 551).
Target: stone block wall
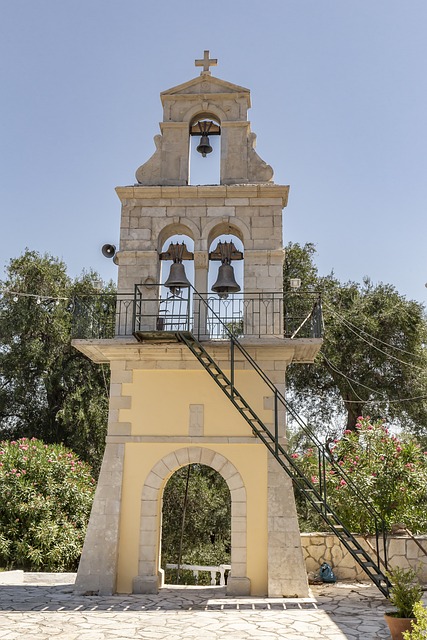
point(151, 215)
point(325, 547)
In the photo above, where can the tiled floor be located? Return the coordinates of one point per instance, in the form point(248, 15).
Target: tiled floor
point(40, 606)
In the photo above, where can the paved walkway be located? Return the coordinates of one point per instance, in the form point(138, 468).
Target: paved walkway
point(37, 606)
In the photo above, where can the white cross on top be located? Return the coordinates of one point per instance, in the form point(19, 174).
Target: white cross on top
point(206, 62)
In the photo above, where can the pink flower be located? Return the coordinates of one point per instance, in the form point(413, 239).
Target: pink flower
point(382, 457)
point(314, 479)
point(347, 431)
point(343, 483)
point(13, 442)
point(398, 449)
point(374, 473)
point(294, 455)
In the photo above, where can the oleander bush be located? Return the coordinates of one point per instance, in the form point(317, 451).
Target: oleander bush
point(390, 471)
point(46, 494)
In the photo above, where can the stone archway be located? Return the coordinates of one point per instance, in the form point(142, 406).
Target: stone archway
point(148, 580)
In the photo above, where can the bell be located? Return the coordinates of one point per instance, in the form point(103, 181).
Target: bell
point(177, 279)
point(204, 146)
point(225, 282)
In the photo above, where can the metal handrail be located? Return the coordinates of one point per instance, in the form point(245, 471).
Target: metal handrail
point(324, 455)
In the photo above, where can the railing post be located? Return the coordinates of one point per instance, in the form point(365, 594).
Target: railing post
point(134, 309)
point(232, 365)
point(276, 425)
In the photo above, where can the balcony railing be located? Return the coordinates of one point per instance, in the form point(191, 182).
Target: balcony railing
point(153, 309)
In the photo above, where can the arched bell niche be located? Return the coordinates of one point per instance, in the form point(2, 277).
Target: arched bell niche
point(175, 301)
point(165, 265)
point(226, 308)
point(214, 265)
point(205, 150)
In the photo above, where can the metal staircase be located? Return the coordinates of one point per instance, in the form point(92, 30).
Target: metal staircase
point(315, 493)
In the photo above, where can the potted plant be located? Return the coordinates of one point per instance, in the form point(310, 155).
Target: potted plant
point(405, 592)
point(419, 626)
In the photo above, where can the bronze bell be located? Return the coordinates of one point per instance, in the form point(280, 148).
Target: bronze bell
point(204, 146)
point(225, 282)
point(177, 279)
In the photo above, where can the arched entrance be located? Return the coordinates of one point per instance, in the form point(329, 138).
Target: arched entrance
point(196, 525)
point(149, 572)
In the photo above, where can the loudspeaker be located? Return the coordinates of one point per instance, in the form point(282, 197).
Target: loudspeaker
point(108, 251)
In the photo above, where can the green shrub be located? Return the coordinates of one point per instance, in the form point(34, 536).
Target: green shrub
point(405, 591)
point(419, 626)
point(46, 494)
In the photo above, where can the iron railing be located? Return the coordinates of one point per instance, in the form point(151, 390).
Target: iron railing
point(153, 308)
point(107, 315)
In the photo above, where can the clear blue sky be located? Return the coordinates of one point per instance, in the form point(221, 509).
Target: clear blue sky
point(339, 97)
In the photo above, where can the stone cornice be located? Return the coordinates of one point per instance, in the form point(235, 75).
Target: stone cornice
point(139, 192)
point(173, 355)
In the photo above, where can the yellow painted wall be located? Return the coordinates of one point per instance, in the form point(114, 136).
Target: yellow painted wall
point(161, 399)
point(251, 463)
point(160, 402)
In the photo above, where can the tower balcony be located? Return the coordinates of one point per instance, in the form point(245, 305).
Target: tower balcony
point(151, 311)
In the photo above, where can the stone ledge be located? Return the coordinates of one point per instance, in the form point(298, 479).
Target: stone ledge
point(266, 190)
point(273, 348)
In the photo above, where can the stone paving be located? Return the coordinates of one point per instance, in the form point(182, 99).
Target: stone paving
point(39, 606)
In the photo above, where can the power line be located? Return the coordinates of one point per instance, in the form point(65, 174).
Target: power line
point(387, 344)
point(349, 380)
point(388, 355)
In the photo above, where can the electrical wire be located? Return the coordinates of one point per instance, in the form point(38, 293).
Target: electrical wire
point(329, 363)
point(408, 364)
point(349, 380)
point(387, 344)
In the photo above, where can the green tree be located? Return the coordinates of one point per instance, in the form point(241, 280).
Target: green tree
point(46, 494)
point(47, 388)
point(206, 534)
point(373, 358)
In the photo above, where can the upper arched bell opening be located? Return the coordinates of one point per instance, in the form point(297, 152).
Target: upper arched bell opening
point(205, 142)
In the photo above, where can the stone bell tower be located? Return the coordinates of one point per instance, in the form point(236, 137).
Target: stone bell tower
point(169, 404)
